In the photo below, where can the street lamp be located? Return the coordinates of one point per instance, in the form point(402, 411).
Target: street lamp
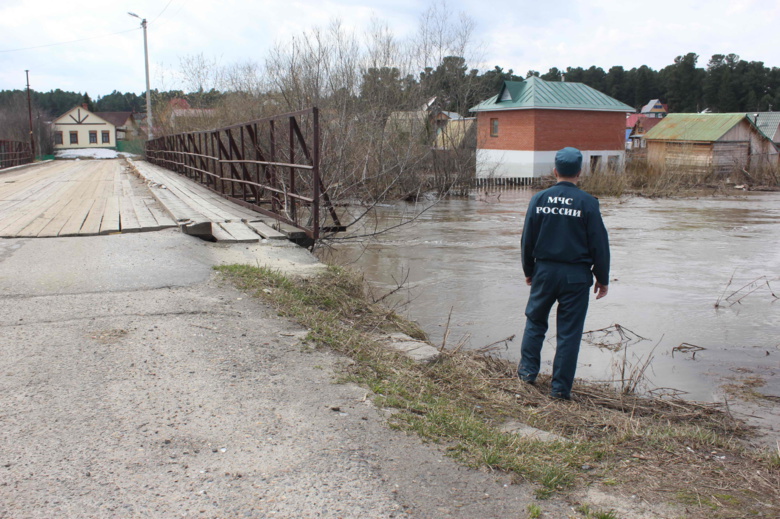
point(148, 94)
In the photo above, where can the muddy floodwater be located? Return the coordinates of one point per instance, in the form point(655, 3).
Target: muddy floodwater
point(672, 260)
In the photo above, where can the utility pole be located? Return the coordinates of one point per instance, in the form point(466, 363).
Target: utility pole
point(29, 112)
point(149, 131)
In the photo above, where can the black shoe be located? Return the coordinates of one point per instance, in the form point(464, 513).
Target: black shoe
point(527, 380)
point(559, 396)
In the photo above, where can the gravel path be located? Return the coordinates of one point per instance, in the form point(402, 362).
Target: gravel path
point(135, 384)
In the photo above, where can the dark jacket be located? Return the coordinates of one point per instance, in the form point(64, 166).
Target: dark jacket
point(563, 224)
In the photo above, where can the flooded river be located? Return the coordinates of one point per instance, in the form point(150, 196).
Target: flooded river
point(672, 260)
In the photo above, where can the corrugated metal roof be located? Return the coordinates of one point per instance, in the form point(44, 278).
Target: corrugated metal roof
point(768, 123)
point(694, 127)
point(538, 93)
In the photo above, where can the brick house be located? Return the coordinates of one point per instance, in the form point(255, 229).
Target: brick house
point(520, 128)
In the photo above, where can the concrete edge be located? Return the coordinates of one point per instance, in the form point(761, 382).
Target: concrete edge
point(418, 351)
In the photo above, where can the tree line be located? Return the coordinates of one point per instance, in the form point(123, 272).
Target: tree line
point(727, 84)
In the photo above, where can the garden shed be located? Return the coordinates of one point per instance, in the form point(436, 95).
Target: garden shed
point(710, 142)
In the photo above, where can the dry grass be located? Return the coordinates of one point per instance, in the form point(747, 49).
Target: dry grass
point(662, 449)
point(643, 179)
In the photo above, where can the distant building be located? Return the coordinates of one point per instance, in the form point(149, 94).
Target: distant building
point(127, 127)
point(526, 122)
point(655, 109)
point(420, 124)
point(458, 133)
point(637, 125)
point(768, 123)
point(80, 128)
point(179, 116)
point(709, 142)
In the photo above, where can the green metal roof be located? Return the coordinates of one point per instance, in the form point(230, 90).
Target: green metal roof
point(694, 127)
point(554, 95)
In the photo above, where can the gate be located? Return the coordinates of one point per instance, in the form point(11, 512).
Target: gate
point(269, 165)
point(14, 153)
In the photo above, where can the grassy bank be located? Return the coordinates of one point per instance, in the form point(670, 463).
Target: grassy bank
point(641, 178)
point(661, 450)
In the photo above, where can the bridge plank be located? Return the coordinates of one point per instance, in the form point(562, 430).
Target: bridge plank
point(91, 225)
point(162, 218)
point(128, 220)
point(265, 231)
point(240, 232)
point(44, 218)
point(77, 217)
point(110, 221)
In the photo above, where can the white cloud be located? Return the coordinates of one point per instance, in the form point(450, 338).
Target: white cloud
point(517, 34)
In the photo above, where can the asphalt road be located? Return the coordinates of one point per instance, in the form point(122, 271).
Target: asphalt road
point(134, 383)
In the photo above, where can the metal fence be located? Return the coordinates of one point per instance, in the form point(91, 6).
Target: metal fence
point(270, 165)
point(14, 153)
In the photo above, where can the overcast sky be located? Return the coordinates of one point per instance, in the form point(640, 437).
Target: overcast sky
point(517, 34)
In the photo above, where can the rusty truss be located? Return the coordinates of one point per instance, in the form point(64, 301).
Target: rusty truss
point(269, 165)
point(14, 153)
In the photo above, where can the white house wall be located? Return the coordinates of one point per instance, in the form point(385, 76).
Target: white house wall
point(82, 122)
point(530, 164)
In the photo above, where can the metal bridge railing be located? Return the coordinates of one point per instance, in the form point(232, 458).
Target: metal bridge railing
point(270, 165)
point(14, 153)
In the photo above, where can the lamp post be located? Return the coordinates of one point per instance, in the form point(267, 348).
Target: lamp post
point(29, 112)
point(149, 130)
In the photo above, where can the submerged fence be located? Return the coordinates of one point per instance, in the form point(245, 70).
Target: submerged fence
point(269, 165)
point(14, 153)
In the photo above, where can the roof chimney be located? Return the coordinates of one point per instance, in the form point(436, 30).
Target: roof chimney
point(84, 106)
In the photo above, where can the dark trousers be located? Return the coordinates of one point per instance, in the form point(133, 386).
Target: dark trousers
point(569, 285)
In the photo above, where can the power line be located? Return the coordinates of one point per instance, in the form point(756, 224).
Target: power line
point(174, 14)
point(68, 42)
point(161, 12)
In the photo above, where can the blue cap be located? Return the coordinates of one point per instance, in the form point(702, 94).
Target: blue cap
point(568, 162)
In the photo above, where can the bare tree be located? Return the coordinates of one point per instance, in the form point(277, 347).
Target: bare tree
point(15, 123)
point(377, 126)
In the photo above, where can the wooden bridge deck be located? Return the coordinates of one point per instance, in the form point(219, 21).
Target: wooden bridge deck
point(91, 197)
point(76, 198)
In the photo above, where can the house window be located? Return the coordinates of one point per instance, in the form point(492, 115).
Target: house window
point(57, 138)
point(613, 161)
point(595, 162)
point(106, 137)
point(93, 137)
point(494, 127)
point(74, 137)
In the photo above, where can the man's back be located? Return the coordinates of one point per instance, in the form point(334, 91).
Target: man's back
point(564, 225)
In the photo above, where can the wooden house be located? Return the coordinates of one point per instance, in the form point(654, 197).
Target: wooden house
point(637, 125)
point(654, 109)
point(79, 128)
point(709, 142)
point(520, 129)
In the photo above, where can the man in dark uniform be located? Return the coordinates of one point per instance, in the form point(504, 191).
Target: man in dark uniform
point(564, 245)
